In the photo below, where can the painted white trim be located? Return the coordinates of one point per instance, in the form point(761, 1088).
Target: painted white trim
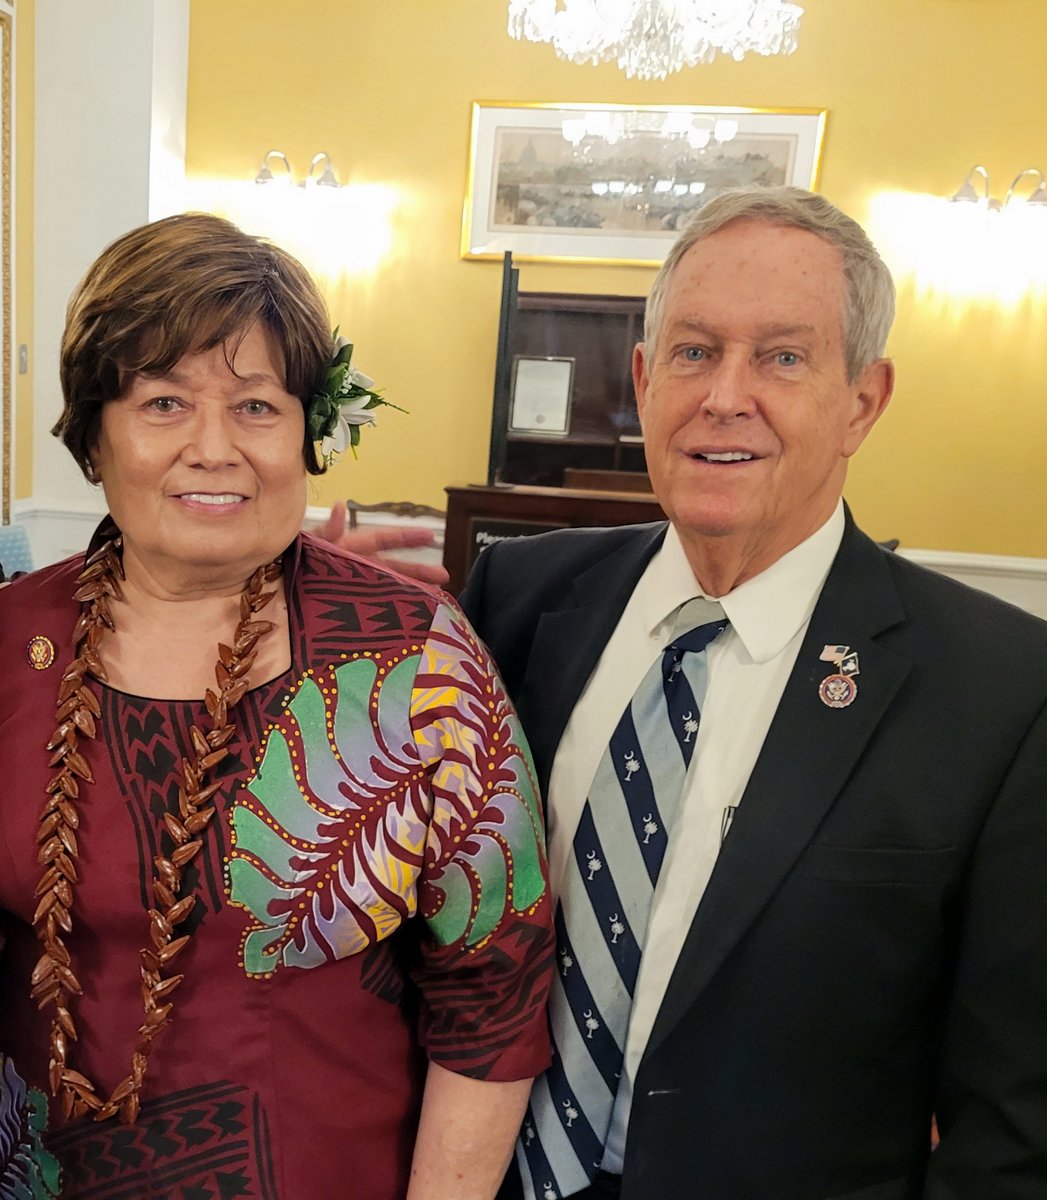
point(1003, 565)
point(58, 529)
point(110, 115)
point(317, 514)
point(1020, 581)
point(12, 383)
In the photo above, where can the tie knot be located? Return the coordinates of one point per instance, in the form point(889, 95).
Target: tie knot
point(696, 624)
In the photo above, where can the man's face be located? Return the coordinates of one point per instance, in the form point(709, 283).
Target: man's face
point(747, 414)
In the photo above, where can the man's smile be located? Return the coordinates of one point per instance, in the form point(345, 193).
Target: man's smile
point(723, 456)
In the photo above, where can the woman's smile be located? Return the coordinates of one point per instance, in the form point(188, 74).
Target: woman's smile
point(213, 503)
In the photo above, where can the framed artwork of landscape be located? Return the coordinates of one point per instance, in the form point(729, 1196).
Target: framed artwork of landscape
point(613, 184)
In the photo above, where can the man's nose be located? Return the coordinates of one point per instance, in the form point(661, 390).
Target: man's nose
point(731, 389)
point(212, 443)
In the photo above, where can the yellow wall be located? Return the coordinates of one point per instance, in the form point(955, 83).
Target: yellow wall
point(23, 238)
point(917, 90)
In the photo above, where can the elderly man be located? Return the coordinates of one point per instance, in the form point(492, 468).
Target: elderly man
point(797, 786)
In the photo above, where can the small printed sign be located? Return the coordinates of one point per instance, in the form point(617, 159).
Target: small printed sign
point(484, 532)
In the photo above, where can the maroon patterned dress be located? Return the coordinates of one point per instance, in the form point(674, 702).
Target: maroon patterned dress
point(371, 896)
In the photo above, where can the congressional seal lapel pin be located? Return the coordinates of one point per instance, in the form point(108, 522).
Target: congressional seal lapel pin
point(839, 689)
point(40, 651)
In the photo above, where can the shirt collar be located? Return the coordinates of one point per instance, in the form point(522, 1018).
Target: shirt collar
point(767, 611)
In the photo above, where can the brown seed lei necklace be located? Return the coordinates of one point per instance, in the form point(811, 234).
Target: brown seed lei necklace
point(53, 980)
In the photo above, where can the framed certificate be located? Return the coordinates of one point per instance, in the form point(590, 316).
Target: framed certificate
point(540, 401)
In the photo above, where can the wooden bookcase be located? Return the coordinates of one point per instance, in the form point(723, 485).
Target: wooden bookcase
point(598, 333)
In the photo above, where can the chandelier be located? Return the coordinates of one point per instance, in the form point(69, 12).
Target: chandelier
point(650, 39)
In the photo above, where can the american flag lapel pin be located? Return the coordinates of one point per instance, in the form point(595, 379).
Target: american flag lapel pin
point(839, 689)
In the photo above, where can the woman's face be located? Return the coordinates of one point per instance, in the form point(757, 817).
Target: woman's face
point(202, 468)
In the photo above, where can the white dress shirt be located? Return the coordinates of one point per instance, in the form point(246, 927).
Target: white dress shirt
point(749, 665)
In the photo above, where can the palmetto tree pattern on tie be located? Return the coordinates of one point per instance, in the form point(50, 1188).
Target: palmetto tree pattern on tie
point(601, 921)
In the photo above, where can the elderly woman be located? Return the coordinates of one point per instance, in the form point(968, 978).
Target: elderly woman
point(271, 866)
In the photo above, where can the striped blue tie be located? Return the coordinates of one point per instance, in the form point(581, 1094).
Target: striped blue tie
point(605, 902)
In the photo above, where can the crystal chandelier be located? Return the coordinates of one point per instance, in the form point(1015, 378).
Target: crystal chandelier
point(650, 39)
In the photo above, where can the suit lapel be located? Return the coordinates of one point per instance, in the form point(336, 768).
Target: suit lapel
point(569, 640)
point(807, 757)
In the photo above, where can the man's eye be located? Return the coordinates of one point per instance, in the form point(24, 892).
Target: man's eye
point(787, 358)
point(694, 354)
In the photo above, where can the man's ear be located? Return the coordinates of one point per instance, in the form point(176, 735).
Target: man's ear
point(872, 395)
point(640, 377)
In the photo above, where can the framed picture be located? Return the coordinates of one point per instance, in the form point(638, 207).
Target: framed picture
point(541, 395)
point(613, 184)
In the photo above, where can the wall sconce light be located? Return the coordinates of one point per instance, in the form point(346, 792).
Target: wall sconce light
point(968, 193)
point(1038, 197)
point(325, 179)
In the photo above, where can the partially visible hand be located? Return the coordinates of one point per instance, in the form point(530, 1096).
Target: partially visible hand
point(375, 540)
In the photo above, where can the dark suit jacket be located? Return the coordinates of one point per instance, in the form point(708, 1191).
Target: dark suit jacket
point(872, 945)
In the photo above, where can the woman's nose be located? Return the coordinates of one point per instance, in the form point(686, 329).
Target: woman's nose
point(212, 441)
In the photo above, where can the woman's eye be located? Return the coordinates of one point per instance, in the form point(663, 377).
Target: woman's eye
point(256, 408)
point(164, 404)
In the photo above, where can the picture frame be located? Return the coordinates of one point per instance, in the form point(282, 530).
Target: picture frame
point(540, 397)
point(610, 183)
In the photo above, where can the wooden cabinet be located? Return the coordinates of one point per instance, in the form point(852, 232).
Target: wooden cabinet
point(478, 516)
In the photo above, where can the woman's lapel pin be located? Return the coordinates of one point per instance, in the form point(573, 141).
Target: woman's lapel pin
point(40, 651)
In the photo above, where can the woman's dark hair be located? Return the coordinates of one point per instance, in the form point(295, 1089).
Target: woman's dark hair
point(181, 286)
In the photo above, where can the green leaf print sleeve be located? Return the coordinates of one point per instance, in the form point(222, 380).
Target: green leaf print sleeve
point(486, 966)
point(329, 832)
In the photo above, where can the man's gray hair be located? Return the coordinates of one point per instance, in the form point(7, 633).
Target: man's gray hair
point(869, 301)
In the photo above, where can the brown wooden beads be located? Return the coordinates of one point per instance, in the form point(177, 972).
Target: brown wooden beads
point(54, 981)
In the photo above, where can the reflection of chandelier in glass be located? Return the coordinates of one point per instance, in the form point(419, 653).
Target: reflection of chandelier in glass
point(650, 39)
point(671, 140)
point(698, 129)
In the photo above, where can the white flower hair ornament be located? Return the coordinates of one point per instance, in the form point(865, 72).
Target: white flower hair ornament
point(344, 404)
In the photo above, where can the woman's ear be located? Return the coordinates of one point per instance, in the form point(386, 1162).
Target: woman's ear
point(91, 438)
